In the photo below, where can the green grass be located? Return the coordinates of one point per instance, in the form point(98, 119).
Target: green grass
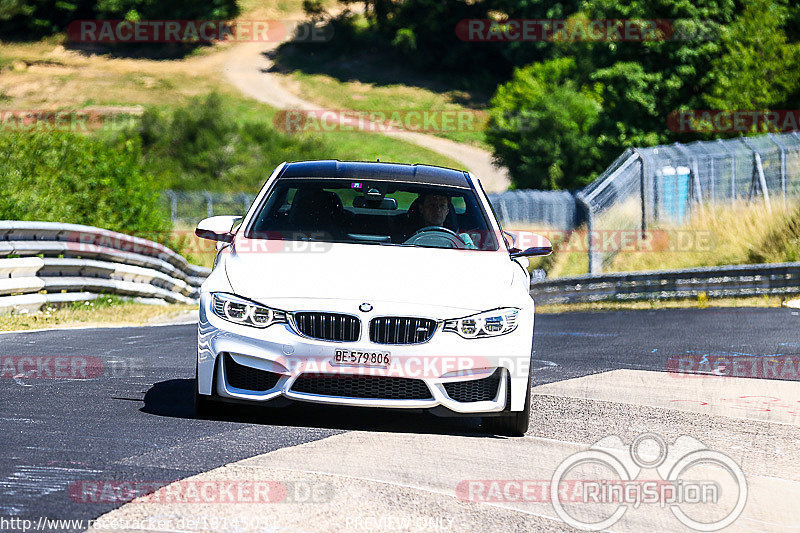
point(104, 311)
point(353, 145)
point(56, 78)
point(371, 81)
point(231, 145)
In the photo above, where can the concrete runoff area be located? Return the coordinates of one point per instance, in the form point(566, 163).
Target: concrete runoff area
point(382, 481)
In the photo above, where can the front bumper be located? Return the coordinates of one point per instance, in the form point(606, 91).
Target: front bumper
point(297, 366)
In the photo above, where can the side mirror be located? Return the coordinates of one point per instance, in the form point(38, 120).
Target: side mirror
point(539, 246)
point(216, 228)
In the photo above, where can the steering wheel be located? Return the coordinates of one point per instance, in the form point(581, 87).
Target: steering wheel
point(434, 234)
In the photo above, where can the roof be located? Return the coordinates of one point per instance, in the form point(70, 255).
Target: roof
point(377, 171)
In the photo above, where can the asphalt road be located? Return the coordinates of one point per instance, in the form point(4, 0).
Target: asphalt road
point(134, 421)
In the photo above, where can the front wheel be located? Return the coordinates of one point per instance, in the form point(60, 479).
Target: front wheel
point(204, 406)
point(512, 425)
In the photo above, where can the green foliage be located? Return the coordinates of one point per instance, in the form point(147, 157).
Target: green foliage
point(405, 39)
point(722, 53)
point(726, 54)
point(36, 18)
point(539, 121)
point(759, 68)
point(64, 177)
point(313, 8)
point(206, 145)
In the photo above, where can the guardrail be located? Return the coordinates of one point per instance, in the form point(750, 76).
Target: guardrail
point(715, 282)
point(58, 263)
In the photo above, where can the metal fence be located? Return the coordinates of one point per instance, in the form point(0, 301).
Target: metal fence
point(189, 207)
point(545, 209)
point(538, 209)
point(644, 185)
point(781, 279)
point(667, 182)
point(50, 262)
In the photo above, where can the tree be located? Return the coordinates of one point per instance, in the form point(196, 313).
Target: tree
point(759, 69)
point(541, 126)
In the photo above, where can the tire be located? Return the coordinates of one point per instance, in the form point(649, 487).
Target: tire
point(514, 424)
point(204, 406)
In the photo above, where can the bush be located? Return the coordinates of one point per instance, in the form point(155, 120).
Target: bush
point(541, 127)
point(36, 18)
point(63, 177)
point(206, 145)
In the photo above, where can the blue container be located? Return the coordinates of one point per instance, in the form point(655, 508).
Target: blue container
point(674, 192)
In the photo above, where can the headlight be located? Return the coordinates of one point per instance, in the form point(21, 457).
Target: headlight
point(487, 324)
point(241, 311)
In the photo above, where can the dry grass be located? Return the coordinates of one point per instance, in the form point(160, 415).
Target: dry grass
point(261, 10)
point(393, 99)
point(718, 235)
point(111, 311)
point(46, 75)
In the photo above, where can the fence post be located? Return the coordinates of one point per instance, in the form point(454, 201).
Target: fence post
point(644, 193)
point(209, 204)
point(245, 202)
point(762, 182)
point(733, 169)
point(782, 150)
point(712, 179)
point(758, 177)
point(173, 205)
point(595, 264)
point(691, 162)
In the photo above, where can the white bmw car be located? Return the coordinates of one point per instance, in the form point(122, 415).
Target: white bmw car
point(368, 284)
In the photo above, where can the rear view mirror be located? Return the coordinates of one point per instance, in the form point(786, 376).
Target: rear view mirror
point(217, 228)
point(385, 203)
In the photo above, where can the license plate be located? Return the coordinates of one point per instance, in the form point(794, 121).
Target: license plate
point(358, 358)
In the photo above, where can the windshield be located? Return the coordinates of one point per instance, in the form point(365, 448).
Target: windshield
point(373, 212)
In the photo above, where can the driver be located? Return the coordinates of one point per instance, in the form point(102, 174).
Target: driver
point(433, 209)
point(429, 210)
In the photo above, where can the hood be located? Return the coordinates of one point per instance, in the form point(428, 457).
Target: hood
point(465, 279)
